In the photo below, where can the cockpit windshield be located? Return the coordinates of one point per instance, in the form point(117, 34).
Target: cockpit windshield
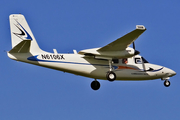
point(144, 60)
point(139, 60)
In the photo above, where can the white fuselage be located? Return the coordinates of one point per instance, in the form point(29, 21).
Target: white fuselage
point(95, 68)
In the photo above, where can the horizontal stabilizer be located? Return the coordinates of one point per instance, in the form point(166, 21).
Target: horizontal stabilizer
point(22, 47)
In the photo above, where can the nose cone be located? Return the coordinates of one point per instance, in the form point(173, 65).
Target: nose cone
point(170, 72)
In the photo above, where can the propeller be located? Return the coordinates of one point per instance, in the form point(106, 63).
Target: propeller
point(134, 45)
point(136, 52)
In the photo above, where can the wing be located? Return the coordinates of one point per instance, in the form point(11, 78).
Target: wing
point(125, 41)
point(119, 48)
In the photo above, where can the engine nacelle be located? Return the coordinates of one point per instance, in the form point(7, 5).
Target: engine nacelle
point(129, 52)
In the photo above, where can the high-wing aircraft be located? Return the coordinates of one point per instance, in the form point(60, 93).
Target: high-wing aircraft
point(115, 61)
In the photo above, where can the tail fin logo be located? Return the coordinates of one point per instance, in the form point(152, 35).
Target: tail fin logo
point(24, 35)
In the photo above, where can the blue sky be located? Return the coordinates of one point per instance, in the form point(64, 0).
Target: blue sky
point(29, 92)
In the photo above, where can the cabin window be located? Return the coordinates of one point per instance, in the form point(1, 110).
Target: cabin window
point(115, 61)
point(139, 60)
point(144, 60)
point(124, 60)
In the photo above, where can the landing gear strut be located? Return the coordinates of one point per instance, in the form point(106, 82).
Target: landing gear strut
point(111, 76)
point(95, 85)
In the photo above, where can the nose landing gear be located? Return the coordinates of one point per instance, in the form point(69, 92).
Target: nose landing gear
point(167, 83)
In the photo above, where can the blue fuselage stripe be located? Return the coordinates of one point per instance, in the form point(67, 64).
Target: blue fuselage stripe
point(34, 58)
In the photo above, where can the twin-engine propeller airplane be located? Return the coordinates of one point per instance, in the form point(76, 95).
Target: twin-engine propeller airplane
point(115, 61)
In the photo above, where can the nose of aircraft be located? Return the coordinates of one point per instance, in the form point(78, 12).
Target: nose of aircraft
point(170, 72)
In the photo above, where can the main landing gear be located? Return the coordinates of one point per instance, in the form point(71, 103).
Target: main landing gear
point(111, 76)
point(95, 85)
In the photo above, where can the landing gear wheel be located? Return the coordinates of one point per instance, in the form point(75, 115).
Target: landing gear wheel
point(95, 85)
point(111, 76)
point(167, 83)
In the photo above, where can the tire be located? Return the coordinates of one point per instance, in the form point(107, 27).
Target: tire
point(111, 76)
point(95, 85)
point(167, 83)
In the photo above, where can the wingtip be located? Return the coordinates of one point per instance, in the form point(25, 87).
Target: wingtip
point(140, 27)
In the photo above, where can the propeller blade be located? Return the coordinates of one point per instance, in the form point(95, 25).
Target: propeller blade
point(136, 52)
point(134, 45)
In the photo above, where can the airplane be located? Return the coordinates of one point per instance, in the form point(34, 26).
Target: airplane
point(115, 61)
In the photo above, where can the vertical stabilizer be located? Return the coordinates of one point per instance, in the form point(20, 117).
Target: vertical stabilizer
point(20, 31)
